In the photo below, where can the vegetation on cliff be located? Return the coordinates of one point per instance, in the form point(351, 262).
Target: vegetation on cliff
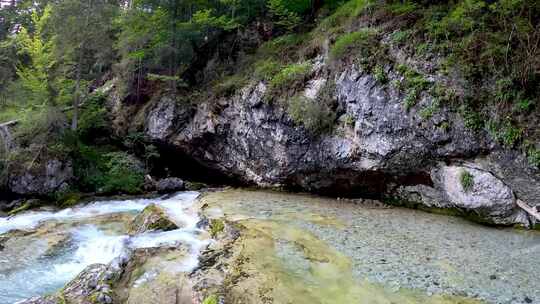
point(479, 58)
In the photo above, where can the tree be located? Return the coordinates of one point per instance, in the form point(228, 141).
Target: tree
point(83, 42)
point(35, 75)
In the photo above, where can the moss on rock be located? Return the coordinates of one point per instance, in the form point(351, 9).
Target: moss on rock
point(151, 218)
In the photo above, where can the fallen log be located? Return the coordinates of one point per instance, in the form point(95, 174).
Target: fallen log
point(530, 210)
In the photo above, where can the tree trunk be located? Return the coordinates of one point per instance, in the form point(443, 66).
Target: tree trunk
point(76, 100)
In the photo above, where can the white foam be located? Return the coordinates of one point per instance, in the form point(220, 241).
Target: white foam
point(92, 245)
point(30, 220)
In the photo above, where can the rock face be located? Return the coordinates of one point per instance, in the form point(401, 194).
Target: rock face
point(170, 184)
point(382, 148)
point(44, 178)
point(483, 196)
point(151, 218)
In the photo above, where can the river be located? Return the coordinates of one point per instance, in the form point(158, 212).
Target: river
point(316, 250)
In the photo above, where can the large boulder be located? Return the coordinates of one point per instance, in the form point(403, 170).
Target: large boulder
point(170, 184)
point(152, 218)
point(42, 178)
point(470, 189)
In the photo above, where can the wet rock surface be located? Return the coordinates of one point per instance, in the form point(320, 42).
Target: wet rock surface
point(151, 218)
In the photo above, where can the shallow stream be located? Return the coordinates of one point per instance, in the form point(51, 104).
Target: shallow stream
point(317, 250)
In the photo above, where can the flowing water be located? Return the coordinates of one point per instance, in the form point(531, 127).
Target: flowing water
point(59, 245)
point(311, 249)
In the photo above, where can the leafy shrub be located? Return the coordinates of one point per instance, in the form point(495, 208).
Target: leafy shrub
point(402, 8)
point(93, 118)
point(533, 155)
point(467, 180)
point(227, 86)
point(400, 36)
point(288, 14)
point(363, 40)
point(291, 75)
point(267, 69)
point(473, 120)
point(524, 105)
point(314, 116)
point(428, 111)
point(216, 227)
point(102, 170)
point(345, 13)
point(380, 74)
point(413, 79)
point(282, 47)
point(505, 132)
point(40, 126)
point(212, 299)
point(410, 98)
point(511, 135)
point(123, 173)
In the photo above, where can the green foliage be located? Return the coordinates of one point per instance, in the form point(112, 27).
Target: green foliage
point(212, 299)
point(505, 132)
point(413, 79)
point(349, 120)
point(401, 36)
point(428, 111)
point(533, 155)
point(467, 180)
point(216, 227)
point(102, 170)
point(345, 14)
point(283, 48)
point(402, 8)
point(361, 41)
point(511, 135)
point(34, 77)
point(380, 74)
point(229, 85)
point(291, 75)
point(414, 83)
point(267, 69)
point(123, 173)
point(93, 120)
point(473, 120)
point(524, 105)
point(285, 14)
point(411, 98)
point(40, 126)
point(313, 115)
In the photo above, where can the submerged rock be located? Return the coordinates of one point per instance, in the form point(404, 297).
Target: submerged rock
point(151, 218)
